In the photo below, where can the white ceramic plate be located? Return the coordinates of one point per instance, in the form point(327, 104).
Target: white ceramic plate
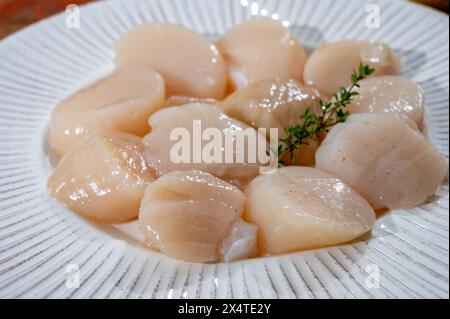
point(406, 255)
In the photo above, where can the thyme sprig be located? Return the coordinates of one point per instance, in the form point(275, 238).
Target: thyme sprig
point(313, 126)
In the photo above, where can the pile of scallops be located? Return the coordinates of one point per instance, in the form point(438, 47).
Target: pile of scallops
point(113, 142)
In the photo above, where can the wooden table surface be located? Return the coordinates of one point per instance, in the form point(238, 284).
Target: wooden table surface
point(16, 14)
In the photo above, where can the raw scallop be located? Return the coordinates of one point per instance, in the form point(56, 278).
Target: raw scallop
point(389, 93)
point(102, 177)
point(271, 103)
point(195, 216)
point(385, 158)
point(189, 63)
point(158, 145)
point(300, 208)
point(330, 67)
point(275, 104)
point(123, 101)
point(261, 50)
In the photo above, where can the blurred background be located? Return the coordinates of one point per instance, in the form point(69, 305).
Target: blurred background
point(16, 14)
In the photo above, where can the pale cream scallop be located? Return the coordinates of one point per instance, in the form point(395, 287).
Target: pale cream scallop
point(194, 216)
point(275, 104)
point(122, 101)
point(261, 49)
point(189, 63)
point(271, 103)
point(389, 93)
point(158, 144)
point(103, 177)
point(299, 208)
point(330, 66)
point(385, 158)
